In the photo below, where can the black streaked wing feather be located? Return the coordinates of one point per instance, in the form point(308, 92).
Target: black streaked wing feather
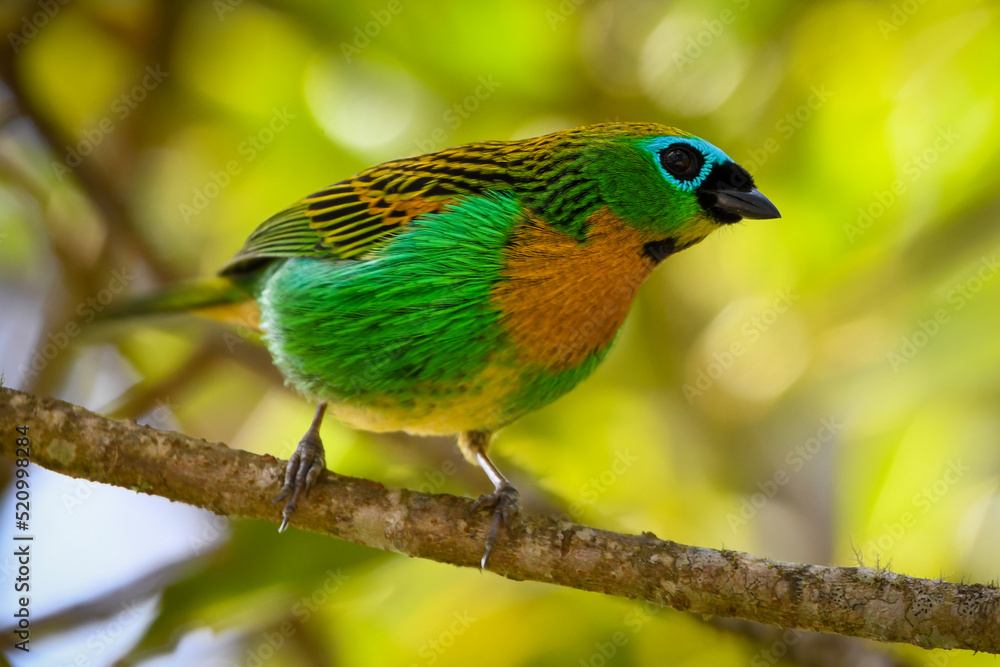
point(352, 218)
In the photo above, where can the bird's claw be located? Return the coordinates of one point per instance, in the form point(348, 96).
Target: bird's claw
point(505, 503)
point(303, 469)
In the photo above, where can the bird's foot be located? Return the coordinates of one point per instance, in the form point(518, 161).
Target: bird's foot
point(303, 468)
point(505, 503)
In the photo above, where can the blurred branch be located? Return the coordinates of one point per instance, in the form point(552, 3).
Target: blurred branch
point(211, 350)
point(809, 649)
point(98, 187)
point(853, 601)
point(122, 235)
point(108, 603)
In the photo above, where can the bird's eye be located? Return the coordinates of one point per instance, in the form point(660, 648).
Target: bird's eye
point(682, 161)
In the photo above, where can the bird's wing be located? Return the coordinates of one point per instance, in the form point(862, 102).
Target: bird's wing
point(350, 219)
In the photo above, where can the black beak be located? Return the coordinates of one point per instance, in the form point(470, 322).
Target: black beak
point(750, 204)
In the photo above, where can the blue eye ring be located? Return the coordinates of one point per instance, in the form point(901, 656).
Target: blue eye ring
point(710, 155)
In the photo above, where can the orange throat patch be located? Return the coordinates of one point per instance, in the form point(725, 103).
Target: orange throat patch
point(562, 300)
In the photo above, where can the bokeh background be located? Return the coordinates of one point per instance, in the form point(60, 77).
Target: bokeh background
point(820, 388)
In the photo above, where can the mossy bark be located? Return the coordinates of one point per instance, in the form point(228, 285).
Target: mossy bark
point(860, 602)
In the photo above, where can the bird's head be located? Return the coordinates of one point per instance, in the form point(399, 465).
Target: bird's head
point(667, 183)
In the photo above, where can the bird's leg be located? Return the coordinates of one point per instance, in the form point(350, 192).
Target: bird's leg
point(504, 501)
point(304, 467)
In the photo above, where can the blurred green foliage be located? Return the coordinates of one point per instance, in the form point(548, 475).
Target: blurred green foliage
point(818, 388)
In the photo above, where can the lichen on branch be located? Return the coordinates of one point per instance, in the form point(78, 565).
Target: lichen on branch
point(854, 601)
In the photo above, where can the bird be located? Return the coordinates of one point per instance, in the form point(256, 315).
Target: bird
point(453, 292)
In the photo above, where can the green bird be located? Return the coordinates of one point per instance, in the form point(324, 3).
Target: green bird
point(454, 292)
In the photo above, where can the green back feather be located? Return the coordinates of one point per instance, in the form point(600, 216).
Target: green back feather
point(561, 178)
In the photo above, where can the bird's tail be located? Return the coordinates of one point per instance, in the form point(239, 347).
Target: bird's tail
point(217, 298)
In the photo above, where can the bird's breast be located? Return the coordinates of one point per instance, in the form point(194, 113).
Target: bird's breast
point(562, 301)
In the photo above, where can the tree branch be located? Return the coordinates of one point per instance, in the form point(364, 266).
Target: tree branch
point(853, 601)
